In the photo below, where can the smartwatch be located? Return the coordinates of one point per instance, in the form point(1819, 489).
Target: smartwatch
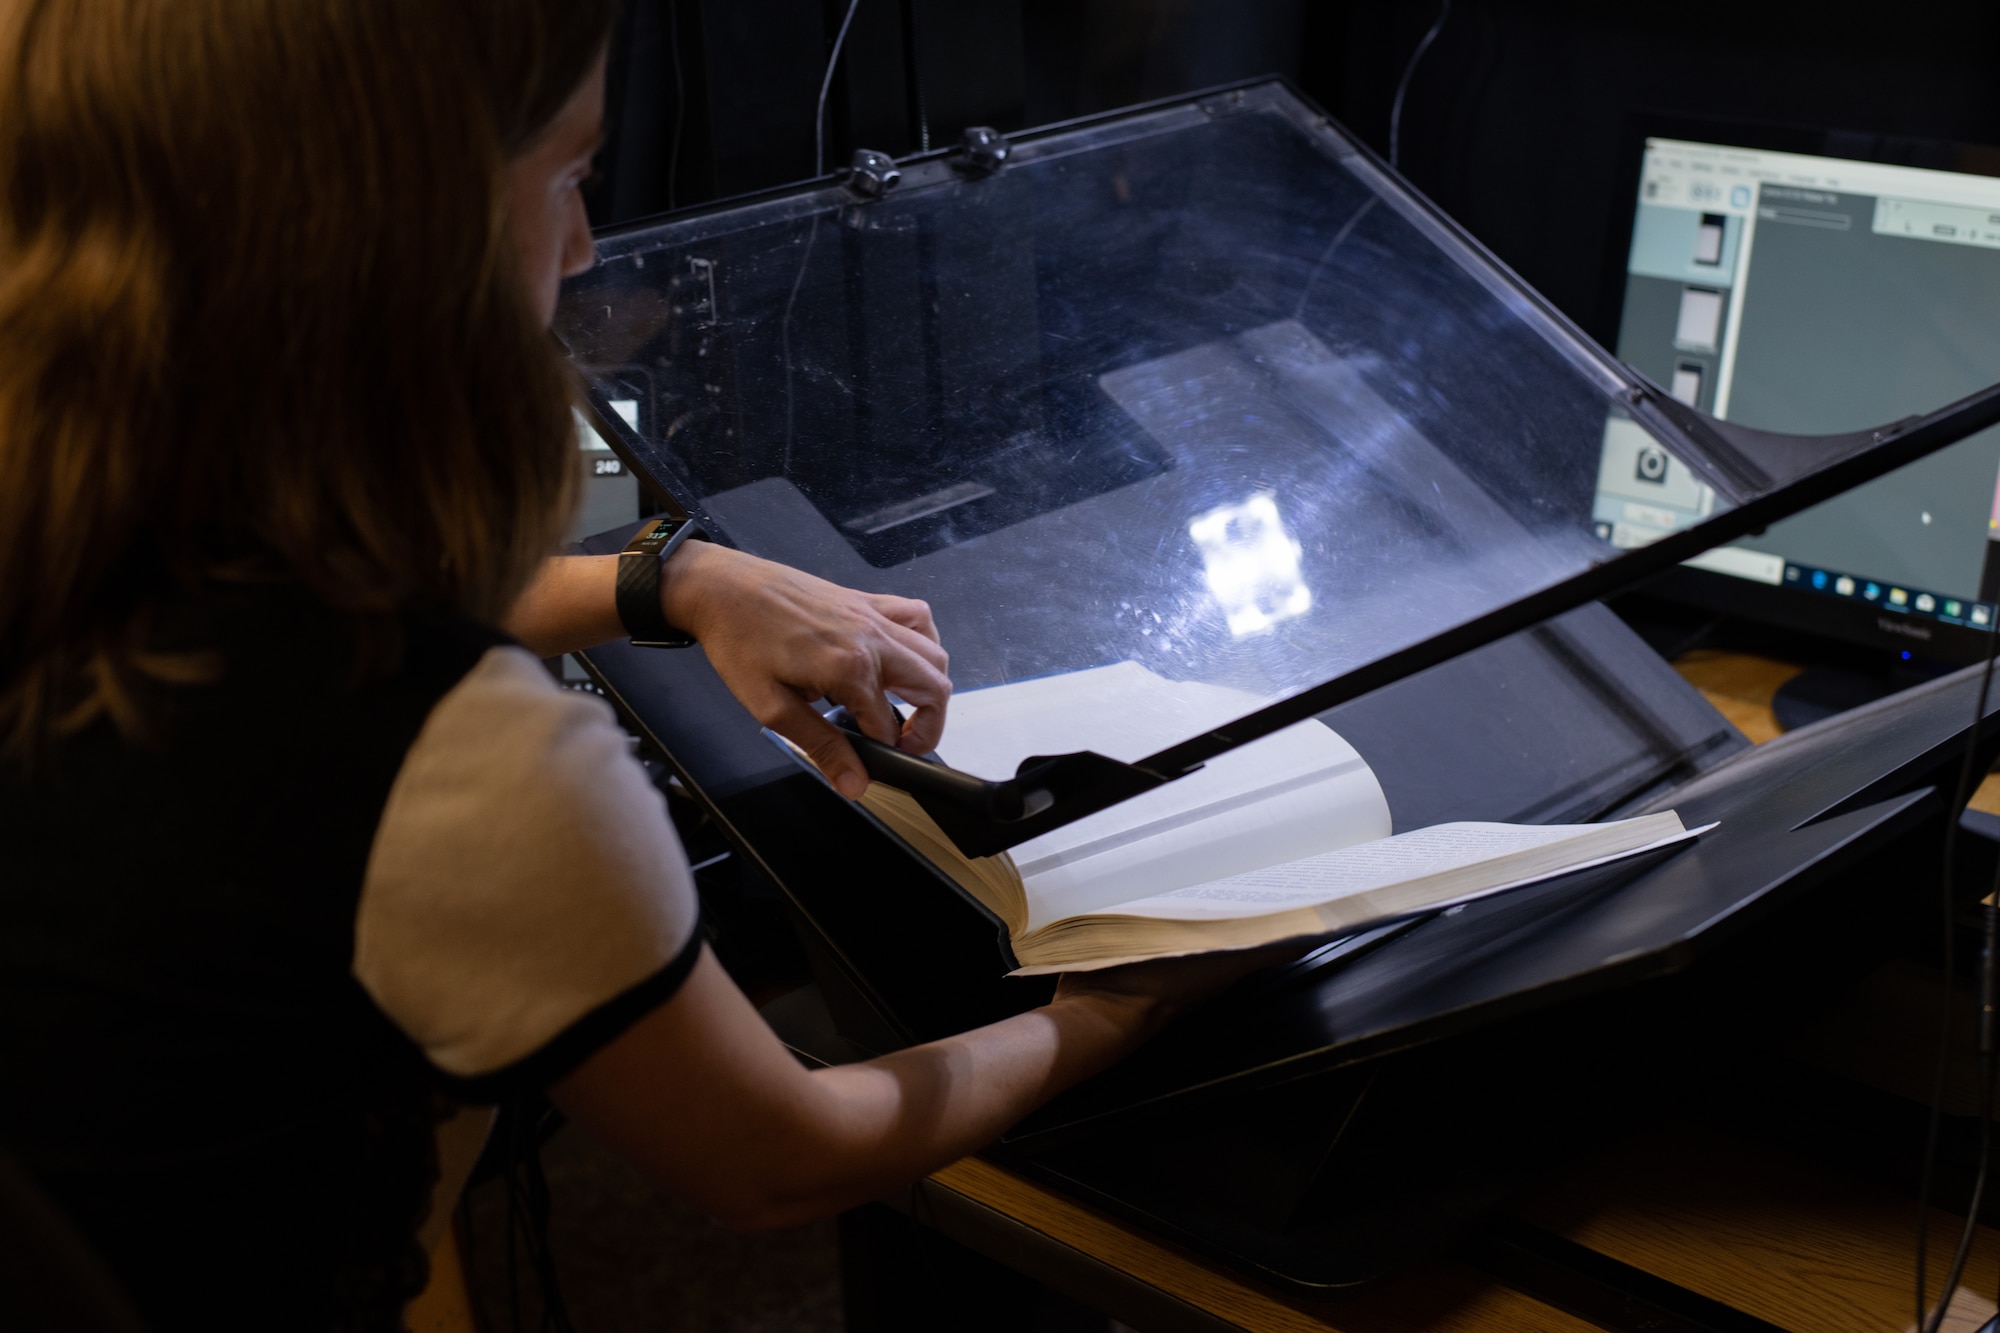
point(639, 580)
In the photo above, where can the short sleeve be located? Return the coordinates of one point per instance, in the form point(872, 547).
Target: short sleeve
point(526, 898)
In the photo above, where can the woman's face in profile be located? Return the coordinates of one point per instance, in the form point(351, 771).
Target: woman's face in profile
point(545, 195)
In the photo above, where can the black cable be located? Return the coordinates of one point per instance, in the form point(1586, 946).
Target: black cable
point(510, 1236)
point(785, 337)
point(515, 1153)
point(913, 74)
point(680, 100)
point(1966, 773)
point(812, 237)
point(826, 86)
point(529, 1205)
point(1971, 1227)
point(1403, 86)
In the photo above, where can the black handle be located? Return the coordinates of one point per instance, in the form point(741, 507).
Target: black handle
point(928, 776)
point(982, 816)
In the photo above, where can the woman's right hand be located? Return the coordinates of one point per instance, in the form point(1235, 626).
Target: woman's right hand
point(707, 1101)
point(1153, 993)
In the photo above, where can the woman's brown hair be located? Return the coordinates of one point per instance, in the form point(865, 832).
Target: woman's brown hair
point(260, 319)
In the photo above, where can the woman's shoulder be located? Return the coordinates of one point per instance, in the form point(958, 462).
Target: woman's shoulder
point(507, 737)
point(525, 873)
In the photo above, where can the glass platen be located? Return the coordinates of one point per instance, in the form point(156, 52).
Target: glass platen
point(1202, 387)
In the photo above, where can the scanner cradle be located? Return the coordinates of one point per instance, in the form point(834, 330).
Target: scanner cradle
point(1205, 386)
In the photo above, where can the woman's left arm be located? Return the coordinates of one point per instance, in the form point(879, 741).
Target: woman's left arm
point(779, 638)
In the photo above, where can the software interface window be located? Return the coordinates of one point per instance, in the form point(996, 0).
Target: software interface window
point(1818, 295)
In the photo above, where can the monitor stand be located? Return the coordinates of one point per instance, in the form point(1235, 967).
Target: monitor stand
point(1836, 677)
point(1824, 689)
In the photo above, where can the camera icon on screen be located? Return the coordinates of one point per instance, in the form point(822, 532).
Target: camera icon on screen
point(1651, 465)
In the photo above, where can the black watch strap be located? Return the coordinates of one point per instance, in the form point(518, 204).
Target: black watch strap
point(639, 566)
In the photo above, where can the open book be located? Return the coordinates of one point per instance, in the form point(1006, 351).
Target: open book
point(1285, 838)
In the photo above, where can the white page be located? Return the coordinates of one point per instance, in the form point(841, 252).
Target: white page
point(1302, 791)
point(1353, 870)
point(1700, 319)
point(1123, 711)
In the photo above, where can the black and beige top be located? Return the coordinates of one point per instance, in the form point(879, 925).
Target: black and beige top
point(250, 966)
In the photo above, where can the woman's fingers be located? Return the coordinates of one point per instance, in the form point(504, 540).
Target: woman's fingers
point(825, 744)
point(908, 612)
point(862, 683)
point(913, 677)
point(922, 730)
point(780, 638)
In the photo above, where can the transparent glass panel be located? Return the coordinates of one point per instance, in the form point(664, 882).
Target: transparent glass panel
point(1202, 389)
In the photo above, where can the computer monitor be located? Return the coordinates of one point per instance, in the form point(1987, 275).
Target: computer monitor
point(1808, 282)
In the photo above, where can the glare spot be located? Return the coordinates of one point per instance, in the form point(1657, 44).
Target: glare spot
point(1252, 564)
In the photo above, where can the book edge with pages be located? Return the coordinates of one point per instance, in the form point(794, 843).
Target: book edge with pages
point(1430, 882)
point(1287, 838)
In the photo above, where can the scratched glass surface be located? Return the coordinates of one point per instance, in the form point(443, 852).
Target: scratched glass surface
point(1197, 392)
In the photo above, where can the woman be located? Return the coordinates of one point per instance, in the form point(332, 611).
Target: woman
point(304, 854)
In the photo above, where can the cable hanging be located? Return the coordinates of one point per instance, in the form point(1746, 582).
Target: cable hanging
point(1403, 85)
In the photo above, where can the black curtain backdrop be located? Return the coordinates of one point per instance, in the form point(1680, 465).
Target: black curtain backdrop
point(1514, 123)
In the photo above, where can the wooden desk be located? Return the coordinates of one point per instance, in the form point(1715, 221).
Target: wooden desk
point(1772, 1239)
point(445, 1306)
point(1155, 1287)
point(1778, 1241)
point(1776, 1236)
point(1739, 686)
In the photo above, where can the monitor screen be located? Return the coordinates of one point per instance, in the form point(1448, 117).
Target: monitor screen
point(1804, 293)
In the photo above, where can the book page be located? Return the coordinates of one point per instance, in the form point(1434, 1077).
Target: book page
point(1426, 853)
point(1290, 795)
point(1123, 711)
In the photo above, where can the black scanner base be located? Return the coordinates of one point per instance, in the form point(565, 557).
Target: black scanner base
point(1321, 1131)
point(1357, 1171)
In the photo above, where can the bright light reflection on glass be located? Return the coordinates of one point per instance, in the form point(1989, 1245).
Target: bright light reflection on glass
point(1252, 564)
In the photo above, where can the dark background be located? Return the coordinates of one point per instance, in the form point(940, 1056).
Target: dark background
point(1513, 122)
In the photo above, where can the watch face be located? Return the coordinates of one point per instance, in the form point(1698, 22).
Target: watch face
point(653, 538)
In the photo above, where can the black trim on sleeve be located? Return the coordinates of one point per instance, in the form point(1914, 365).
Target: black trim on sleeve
point(562, 1053)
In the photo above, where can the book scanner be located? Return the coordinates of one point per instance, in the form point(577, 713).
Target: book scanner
point(1205, 387)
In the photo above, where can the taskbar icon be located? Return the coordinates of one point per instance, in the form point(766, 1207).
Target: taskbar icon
point(1888, 596)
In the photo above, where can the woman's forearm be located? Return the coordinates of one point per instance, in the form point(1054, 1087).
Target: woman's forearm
point(904, 1115)
point(702, 1096)
point(573, 602)
point(571, 605)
